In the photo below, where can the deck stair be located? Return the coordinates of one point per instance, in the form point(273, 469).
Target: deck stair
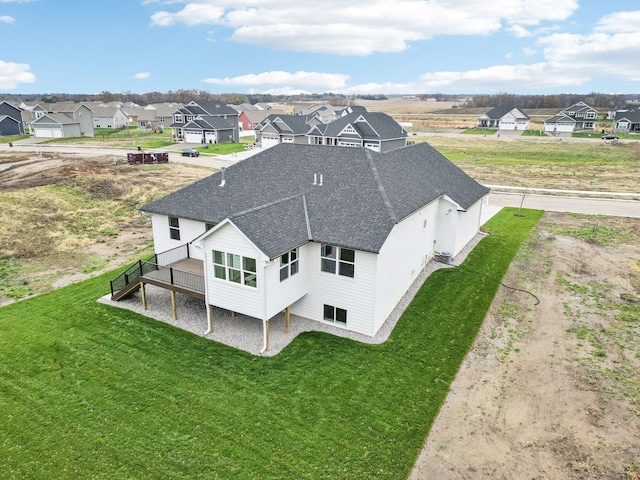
point(174, 270)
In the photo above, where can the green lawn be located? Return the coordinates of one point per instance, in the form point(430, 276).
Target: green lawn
point(92, 391)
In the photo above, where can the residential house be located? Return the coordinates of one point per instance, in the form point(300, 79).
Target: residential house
point(56, 125)
point(627, 120)
point(278, 128)
point(62, 120)
point(109, 117)
point(10, 120)
point(374, 130)
point(504, 118)
point(252, 119)
point(336, 235)
point(577, 118)
point(206, 122)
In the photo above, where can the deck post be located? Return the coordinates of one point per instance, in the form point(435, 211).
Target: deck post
point(144, 296)
point(266, 335)
point(174, 308)
point(287, 319)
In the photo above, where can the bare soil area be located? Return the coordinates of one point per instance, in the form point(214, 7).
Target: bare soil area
point(76, 216)
point(551, 391)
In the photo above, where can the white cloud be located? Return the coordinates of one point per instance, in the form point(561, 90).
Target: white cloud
point(142, 75)
point(7, 19)
point(285, 82)
point(13, 74)
point(334, 26)
point(619, 22)
point(192, 14)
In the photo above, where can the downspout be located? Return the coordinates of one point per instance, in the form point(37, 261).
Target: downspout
point(265, 339)
point(206, 289)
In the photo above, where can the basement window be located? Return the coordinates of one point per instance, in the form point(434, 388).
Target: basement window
point(335, 315)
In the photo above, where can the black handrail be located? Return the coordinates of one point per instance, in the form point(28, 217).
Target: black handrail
point(157, 261)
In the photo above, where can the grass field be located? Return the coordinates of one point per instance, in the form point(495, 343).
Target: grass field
point(91, 391)
point(545, 162)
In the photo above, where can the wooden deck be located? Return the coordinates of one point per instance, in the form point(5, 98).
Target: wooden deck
point(185, 276)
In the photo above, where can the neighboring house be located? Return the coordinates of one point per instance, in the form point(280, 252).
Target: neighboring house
point(504, 118)
point(109, 117)
point(251, 119)
point(10, 120)
point(206, 122)
point(374, 130)
point(577, 118)
point(145, 117)
point(323, 112)
point(56, 125)
point(627, 120)
point(277, 128)
point(79, 113)
point(336, 235)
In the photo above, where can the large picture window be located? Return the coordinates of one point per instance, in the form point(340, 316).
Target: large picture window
point(341, 261)
point(235, 268)
point(289, 264)
point(174, 228)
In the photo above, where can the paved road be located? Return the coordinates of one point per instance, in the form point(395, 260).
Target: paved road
point(558, 203)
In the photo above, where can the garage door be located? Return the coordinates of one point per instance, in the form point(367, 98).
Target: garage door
point(191, 137)
point(48, 132)
point(268, 142)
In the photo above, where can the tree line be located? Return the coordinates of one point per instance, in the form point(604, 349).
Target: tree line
point(556, 101)
point(182, 96)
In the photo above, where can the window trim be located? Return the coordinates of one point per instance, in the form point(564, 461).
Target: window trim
point(289, 266)
point(336, 262)
point(331, 313)
point(235, 268)
point(174, 230)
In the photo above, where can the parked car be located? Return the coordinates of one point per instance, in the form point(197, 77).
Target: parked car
point(610, 136)
point(190, 152)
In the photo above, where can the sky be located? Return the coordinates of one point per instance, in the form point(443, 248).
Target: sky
point(299, 46)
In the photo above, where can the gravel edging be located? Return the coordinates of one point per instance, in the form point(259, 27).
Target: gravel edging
point(245, 333)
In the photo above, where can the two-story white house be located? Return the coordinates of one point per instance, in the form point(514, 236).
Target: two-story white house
point(333, 234)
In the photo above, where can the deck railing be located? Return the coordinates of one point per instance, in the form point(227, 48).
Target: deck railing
point(156, 263)
point(175, 277)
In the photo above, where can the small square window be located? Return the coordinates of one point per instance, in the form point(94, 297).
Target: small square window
point(329, 312)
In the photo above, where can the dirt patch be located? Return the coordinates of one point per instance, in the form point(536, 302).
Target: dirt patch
point(551, 390)
point(77, 217)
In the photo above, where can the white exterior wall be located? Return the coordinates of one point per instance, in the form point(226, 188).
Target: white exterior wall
point(447, 227)
point(228, 295)
point(468, 225)
point(401, 259)
point(355, 295)
point(189, 229)
point(281, 295)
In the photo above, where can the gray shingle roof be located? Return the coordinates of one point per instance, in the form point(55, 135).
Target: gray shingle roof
point(369, 125)
point(499, 112)
point(272, 198)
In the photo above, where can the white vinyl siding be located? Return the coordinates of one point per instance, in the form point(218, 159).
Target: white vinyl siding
point(402, 257)
point(447, 230)
point(355, 295)
point(236, 297)
point(189, 230)
point(468, 226)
